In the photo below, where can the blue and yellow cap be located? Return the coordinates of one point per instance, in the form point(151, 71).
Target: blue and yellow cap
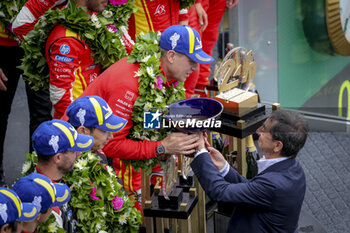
point(12, 208)
point(57, 136)
point(93, 111)
point(184, 39)
point(40, 191)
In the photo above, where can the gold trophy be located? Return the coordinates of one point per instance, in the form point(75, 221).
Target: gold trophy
point(234, 77)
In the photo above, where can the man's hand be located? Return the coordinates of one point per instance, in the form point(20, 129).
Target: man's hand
point(202, 17)
point(3, 79)
point(231, 4)
point(180, 143)
point(217, 158)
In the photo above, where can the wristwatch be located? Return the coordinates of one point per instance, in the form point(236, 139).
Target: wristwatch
point(160, 150)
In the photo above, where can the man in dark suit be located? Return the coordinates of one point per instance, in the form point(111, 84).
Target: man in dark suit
point(271, 201)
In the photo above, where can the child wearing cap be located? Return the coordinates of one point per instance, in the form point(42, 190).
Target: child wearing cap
point(57, 145)
point(40, 191)
point(91, 115)
point(13, 212)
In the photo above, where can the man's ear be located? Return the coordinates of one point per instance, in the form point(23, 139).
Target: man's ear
point(171, 56)
point(278, 147)
point(38, 217)
point(83, 130)
point(5, 228)
point(57, 158)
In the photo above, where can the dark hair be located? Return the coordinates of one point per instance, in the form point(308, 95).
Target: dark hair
point(45, 159)
point(44, 212)
point(291, 129)
point(13, 226)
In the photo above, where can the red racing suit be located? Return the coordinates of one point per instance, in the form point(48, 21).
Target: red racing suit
point(71, 67)
point(120, 88)
point(5, 39)
point(215, 10)
point(155, 15)
point(30, 13)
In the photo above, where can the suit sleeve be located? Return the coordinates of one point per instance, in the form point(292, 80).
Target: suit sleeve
point(64, 64)
point(258, 193)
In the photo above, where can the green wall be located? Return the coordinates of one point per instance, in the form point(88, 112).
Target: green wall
point(302, 72)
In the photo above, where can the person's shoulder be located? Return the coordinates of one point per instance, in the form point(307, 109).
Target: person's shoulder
point(59, 34)
point(121, 73)
point(122, 69)
point(58, 31)
point(284, 177)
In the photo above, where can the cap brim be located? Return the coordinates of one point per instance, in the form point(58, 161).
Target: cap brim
point(29, 212)
point(82, 143)
point(62, 194)
point(200, 57)
point(113, 124)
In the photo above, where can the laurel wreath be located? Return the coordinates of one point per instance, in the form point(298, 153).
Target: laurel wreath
point(153, 95)
point(9, 10)
point(105, 45)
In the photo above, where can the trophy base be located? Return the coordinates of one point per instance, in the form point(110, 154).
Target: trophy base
point(238, 101)
point(175, 197)
point(185, 184)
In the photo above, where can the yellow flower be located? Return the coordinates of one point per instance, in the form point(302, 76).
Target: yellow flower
point(150, 71)
point(94, 18)
point(52, 227)
point(159, 99)
point(90, 156)
point(83, 162)
point(110, 171)
point(122, 219)
point(138, 73)
point(145, 59)
point(107, 14)
point(148, 106)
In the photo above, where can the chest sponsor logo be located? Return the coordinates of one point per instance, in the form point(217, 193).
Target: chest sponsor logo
point(129, 95)
point(93, 66)
point(93, 77)
point(63, 58)
point(62, 76)
point(160, 10)
point(64, 49)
